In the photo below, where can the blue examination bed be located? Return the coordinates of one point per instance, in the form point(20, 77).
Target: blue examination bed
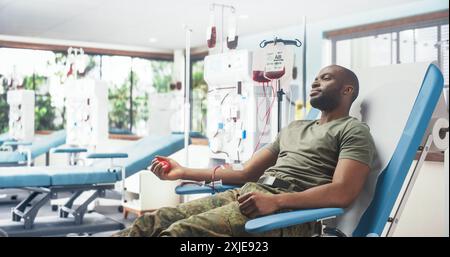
point(45, 182)
point(40, 145)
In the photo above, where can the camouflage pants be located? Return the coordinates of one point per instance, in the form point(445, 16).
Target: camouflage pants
point(216, 215)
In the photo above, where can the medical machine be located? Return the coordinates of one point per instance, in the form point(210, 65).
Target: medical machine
point(230, 128)
point(21, 114)
point(241, 110)
point(87, 113)
point(87, 122)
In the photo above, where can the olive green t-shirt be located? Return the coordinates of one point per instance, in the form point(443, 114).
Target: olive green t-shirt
point(308, 152)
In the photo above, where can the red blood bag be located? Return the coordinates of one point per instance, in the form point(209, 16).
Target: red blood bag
point(258, 76)
point(212, 38)
point(275, 74)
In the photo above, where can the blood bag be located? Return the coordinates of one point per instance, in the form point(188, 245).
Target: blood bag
point(275, 66)
point(211, 33)
point(278, 60)
point(232, 38)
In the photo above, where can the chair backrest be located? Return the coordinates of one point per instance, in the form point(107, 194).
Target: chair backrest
point(391, 179)
point(396, 102)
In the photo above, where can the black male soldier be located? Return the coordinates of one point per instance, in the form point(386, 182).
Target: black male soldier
point(311, 164)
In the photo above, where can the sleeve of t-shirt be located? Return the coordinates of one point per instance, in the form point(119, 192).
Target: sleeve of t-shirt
point(357, 144)
point(274, 147)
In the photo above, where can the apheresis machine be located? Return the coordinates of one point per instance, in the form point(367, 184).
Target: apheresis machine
point(245, 100)
point(21, 114)
point(87, 113)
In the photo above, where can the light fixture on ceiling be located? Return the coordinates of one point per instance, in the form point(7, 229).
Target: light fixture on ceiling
point(152, 40)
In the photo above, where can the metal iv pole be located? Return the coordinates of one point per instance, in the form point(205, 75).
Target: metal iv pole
point(187, 87)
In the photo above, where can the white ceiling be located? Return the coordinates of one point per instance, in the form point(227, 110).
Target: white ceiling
point(134, 22)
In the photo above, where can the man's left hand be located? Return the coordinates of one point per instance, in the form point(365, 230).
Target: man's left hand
point(256, 204)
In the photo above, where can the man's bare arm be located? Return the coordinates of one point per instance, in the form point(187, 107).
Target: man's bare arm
point(252, 170)
point(348, 181)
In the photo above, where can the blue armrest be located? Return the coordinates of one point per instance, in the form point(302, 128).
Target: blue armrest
point(106, 155)
point(286, 219)
point(69, 150)
point(198, 189)
point(4, 140)
point(17, 143)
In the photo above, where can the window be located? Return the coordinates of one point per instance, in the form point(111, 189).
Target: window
point(130, 80)
point(415, 45)
point(32, 69)
point(199, 102)
point(149, 76)
point(425, 40)
point(116, 71)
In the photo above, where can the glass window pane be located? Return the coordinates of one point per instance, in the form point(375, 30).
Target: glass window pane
point(426, 39)
point(407, 46)
point(162, 75)
point(344, 53)
point(150, 77)
point(31, 69)
point(142, 84)
point(365, 51)
point(116, 71)
point(379, 50)
point(93, 67)
point(199, 102)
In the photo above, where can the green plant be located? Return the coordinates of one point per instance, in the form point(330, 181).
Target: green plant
point(161, 75)
point(4, 107)
point(44, 112)
point(119, 115)
point(199, 94)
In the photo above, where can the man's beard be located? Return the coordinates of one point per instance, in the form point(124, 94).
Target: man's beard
point(325, 101)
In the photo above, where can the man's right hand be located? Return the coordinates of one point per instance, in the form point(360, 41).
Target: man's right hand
point(176, 170)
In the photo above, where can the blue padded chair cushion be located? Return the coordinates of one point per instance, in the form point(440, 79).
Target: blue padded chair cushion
point(8, 157)
point(82, 175)
point(17, 143)
point(197, 189)
point(286, 219)
point(17, 177)
point(69, 150)
point(38, 147)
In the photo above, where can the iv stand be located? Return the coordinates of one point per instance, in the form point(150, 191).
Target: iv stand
point(187, 105)
point(280, 94)
point(222, 6)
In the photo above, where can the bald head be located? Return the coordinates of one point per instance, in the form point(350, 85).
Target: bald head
point(334, 87)
point(347, 77)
